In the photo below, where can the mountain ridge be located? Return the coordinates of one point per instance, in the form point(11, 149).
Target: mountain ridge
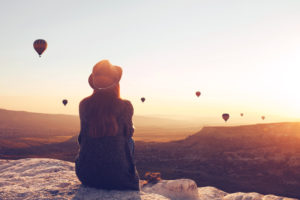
point(146, 127)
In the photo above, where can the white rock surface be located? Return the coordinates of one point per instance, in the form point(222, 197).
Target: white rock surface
point(38, 179)
point(207, 193)
point(175, 189)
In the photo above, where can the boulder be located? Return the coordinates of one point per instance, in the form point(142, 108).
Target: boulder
point(174, 189)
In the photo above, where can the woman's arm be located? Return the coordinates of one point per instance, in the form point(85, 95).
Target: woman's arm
point(80, 133)
point(127, 118)
point(82, 121)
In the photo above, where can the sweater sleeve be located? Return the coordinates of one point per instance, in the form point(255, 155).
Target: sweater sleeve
point(82, 121)
point(127, 113)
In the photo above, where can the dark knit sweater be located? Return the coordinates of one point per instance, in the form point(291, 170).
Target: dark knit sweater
point(106, 162)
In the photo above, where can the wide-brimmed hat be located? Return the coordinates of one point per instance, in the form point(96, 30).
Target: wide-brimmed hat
point(105, 75)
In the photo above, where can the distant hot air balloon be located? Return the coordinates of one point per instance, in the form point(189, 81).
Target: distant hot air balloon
point(65, 101)
point(242, 114)
point(198, 94)
point(263, 117)
point(225, 116)
point(40, 46)
point(143, 99)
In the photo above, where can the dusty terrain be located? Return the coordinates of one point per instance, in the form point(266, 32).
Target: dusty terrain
point(264, 158)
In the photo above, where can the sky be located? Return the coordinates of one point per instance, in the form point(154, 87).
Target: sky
point(243, 56)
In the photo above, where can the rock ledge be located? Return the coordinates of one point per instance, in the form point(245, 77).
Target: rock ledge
point(37, 179)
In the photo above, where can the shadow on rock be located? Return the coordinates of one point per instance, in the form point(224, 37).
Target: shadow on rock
point(84, 192)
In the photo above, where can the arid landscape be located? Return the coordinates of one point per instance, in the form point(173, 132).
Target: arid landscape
point(210, 86)
point(264, 158)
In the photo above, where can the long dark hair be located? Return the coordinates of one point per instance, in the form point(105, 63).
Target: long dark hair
point(101, 113)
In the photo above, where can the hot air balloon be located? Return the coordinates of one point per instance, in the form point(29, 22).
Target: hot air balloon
point(65, 101)
point(225, 116)
point(263, 117)
point(198, 94)
point(143, 99)
point(40, 46)
point(242, 114)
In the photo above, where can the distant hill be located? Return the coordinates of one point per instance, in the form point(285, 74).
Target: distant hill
point(276, 129)
point(261, 157)
point(35, 121)
point(62, 127)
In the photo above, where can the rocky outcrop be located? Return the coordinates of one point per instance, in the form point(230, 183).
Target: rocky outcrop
point(55, 179)
point(174, 189)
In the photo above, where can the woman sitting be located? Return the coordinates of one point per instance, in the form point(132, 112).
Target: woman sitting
point(105, 159)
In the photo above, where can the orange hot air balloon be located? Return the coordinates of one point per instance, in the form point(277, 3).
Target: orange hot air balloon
point(65, 102)
point(263, 117)
point(40, 46)
point(242, 114)
point(143, 99)
point(225, 116)
point(198, 94)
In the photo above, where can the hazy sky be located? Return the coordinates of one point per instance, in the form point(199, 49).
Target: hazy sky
point(242, 55)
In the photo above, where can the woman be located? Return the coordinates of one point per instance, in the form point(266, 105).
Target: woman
point(105, 159)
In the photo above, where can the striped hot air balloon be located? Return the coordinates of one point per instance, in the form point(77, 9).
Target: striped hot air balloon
point(40, 46)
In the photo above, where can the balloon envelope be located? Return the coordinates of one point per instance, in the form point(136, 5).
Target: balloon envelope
point(40, 46)
point(143, 99)
point(242, 114)
point(225, 116)
point(198, 93)
point(65, 101)
point(263, 117)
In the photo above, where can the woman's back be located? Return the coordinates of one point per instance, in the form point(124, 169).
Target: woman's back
point(106, 163)
point(106, 117)
point(104, 160)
